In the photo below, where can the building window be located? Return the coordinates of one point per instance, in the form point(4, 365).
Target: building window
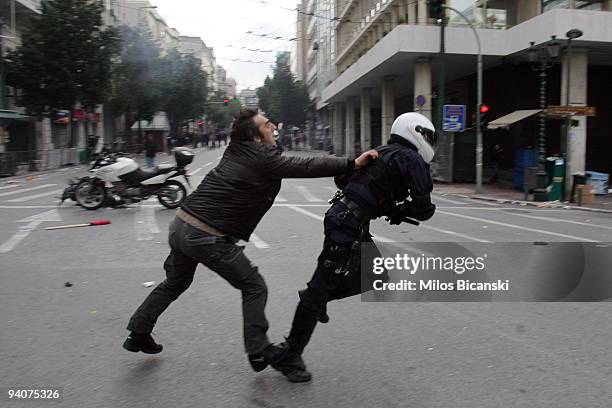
point(553, 4)
point(579, 4)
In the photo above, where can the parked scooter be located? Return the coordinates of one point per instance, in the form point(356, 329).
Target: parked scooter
point(118, 180)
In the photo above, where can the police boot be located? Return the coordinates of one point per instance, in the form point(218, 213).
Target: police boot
point(292, 366)
point(323, 316)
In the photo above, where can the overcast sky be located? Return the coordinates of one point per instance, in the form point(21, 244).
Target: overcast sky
point(225, 22)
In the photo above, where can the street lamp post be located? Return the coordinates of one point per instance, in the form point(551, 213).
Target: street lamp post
point(541, 60)
point(478, 102)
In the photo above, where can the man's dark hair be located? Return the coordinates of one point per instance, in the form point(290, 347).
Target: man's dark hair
point(244, 128)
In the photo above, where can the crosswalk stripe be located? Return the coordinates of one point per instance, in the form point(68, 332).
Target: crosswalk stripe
point(307, 194)
point(255, 240)
point(34, 196)
point(25, 190)
point(10, 186)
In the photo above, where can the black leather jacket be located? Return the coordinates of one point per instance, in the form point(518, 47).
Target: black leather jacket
point(235, 195)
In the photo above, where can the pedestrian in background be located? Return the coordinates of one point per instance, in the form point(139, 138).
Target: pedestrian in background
point(496, 158)
point(150, 150)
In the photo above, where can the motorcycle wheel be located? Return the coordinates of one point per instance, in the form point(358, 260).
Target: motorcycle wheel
point(172, 194)
point(89, 194)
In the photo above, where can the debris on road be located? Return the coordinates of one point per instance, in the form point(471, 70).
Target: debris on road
point(90, 224)
point(148, 284)
point(68, 284)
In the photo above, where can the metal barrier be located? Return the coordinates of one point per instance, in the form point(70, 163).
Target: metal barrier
point(12, 163)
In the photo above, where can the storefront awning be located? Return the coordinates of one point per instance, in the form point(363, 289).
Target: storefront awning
point(14, 115)
point(511, 118)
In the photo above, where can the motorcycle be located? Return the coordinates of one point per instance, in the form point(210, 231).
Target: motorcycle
point(118, 180)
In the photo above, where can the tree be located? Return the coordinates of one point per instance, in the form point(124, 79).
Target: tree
point(219, 113)
point(135, 91)
point(182, 86)
point(65, 57)
point(283, 98)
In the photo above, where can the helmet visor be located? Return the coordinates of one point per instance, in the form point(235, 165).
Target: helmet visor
point(429, 135)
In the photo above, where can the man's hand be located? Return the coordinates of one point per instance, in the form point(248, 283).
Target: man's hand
point(365, 158)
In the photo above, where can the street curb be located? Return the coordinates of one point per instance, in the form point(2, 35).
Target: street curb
point(544, 204)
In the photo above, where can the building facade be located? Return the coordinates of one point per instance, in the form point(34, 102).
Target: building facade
point(387, 62)
point(248, 98)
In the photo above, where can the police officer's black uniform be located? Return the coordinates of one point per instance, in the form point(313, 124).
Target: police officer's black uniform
point(399, 174)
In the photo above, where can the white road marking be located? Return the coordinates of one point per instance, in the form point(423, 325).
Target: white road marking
point(318, 217)
point(255, 240)
point(429, 227)
point(535, 217)
point(307, 194)
point(218, 158)
point(280, 199)
point(25, 190)
point(436, 197)
point(9, 186)
point(207, 164)
point(144, 223)
point(34, 196)
point(504, 224)
point(195, 171)
point(33, 222)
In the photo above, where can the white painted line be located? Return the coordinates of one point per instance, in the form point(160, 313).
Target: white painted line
point(429, 227)
point(149, 218)
point(535, 217)
point(141, 224)
point(207, 164)
point(503, 224)
point(318, 217)
point(280, 199)
point(23, 232)
point(255, 240)
point(33, 222)
point(21, 207)
point(195, 171)
point(34, 196)
point(25, 190)
point(9, 186)
point(218, 158)
point(436, 197)
point(307, 194)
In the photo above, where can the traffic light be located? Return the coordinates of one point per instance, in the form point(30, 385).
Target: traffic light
point(225, 102)
point(436, 8)
point(484, 121)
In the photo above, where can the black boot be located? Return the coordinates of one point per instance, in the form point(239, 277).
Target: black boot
point(142, 342)
point(292, 366)
point(270, 355)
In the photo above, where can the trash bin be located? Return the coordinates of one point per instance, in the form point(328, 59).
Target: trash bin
point(83, 153)
point(556, 174)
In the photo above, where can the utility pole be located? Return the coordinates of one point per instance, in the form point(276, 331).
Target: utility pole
point(2, 87)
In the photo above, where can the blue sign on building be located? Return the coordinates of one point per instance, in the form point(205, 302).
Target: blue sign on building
point(454, 118)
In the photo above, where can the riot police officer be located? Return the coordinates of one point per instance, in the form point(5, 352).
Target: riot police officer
point(398, 186)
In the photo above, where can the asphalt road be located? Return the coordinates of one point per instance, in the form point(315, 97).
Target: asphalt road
point(369, 355)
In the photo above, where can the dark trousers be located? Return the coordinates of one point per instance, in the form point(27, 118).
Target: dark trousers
point(338, 273)
point(189, 247)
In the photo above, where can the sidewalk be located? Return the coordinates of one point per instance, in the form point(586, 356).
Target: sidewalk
point(492, 192)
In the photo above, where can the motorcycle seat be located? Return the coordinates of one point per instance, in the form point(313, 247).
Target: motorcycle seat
point(144, 174)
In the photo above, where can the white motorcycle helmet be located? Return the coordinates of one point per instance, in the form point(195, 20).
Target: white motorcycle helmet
point(419, 131)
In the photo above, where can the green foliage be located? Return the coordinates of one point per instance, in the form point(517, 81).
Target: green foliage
point(220, 114)
point(182, 86)
point(65, 57)
point(283, 98)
